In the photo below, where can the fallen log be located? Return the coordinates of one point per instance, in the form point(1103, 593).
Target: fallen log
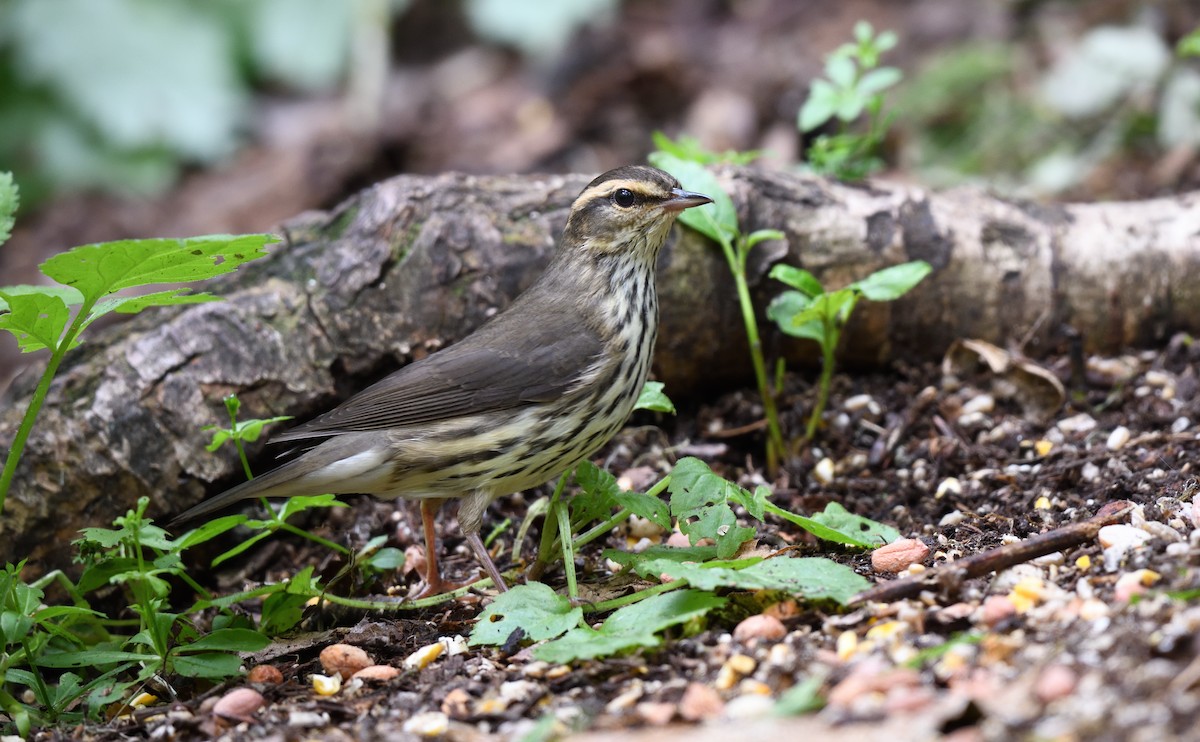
point(414, 263)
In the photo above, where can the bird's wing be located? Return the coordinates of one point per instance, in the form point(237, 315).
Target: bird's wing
point(479, 374)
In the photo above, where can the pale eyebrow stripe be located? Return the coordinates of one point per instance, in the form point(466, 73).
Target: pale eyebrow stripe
point(606, 188)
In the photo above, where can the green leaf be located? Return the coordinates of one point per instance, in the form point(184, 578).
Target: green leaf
point(802, 698)
point(104, 268)
point(209, 665)
point(798, 278)
point(386, 559)
point(227, 640)
point(300, 503)
point(818, 107)
point(700, 500)
point(9, 201)
point(894, 282)
point(135, 304)
point(812, 578)
point(630, 627)
point(36, 320)
point(598, 497)
point(718, 220)
point(840, 70)
point(646, 506)
point(867, 532)
point(762, 235)
point(652, 398)
point(673, 553)
point(209, 530)
point(92, 657)
point(785, 308)
point(533, 608)
point(878, 80)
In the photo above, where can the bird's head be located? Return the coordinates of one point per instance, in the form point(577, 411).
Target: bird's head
point(627, 210)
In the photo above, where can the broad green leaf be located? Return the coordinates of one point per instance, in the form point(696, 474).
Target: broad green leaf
point(868, 532)
point(878, 80)
point(818, 107)
point(718, 220)
point(585, 643)
point(755, 504)
point(36, 320)
point(630, 627)
point(534, 608)
point(850, 106)
point(135, 304)
point(283, 609)
point(598, 497)
point(646, 506)
point(208, 665)
point(700, 500)
point(386, 559)
point(9, 200)
point(71, 297)
point(798, 278)
point(672, 553)
point(783, 311)
point(227, 640)
point(894, 282)
point(840, 70)
point(652, 398)
point(108, 267)
point(813, 578)
point(300, 503)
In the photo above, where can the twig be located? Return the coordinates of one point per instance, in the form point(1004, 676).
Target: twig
point(995, 560)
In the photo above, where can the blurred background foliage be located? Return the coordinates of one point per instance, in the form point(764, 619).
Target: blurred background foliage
point(134, 98)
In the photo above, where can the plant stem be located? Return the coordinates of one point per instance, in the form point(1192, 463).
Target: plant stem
point(550, 526)
point(737, 266)
point(568, 552)
point(828, 349)
point(624, 600)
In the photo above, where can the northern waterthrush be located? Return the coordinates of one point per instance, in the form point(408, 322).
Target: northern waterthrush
point(528, 395)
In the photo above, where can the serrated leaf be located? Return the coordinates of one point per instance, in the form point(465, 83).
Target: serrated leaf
point(652, 398)
point(533, 607)
point(135, 304)
point(36, 320)
point(630, 627)
point(104, 268)
point(868, 532)
point(812, 578)
point(700, 500)
point(646, 506)
point(893, 282)
point(718, 220)
point(597, 499)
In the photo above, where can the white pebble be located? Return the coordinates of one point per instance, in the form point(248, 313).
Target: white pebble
point(953, 518)
point(1089, 472)
point(824, 470)
point(857, 402)
point(1118, 438)
point(1181, 424)
point(1081, 423)
point(749, 706)
point(984, 403)
point(1121, 535)
point(1159, 379)
point(949, 485)
point(428, 724)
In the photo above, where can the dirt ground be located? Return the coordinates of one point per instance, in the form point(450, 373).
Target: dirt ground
point(1093, 641)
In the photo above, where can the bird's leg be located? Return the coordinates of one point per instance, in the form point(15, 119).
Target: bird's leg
point(433, 574)
point(470, 520)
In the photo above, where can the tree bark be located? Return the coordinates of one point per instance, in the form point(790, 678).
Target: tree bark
point(414, 263)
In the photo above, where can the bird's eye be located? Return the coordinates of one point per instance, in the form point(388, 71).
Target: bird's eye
point(624, 198)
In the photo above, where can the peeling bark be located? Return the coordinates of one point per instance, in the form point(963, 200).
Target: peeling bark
point(414, 263)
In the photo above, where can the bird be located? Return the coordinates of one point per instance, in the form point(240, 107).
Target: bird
point(528, 395)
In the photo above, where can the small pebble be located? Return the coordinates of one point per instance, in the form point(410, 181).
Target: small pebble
point(1123, 537)
point(1055, 682)
point(327, 685)
point(1134, 583)
point(857, 402)
point(1081, 423)
point(301, 719)
point(1181, 424)
point(749, 706)
point(1118, 438)
point(377, 673)
point(655, 713)
point(758, 627)
point(700, 702)
point(344, 660)
point(984, 403)
point(428, 724)
point(948, 486)
point(457, 703)
point(238, 704)
point(265, 674)
point(952, 518)
point(823, 472)
point(898, 555)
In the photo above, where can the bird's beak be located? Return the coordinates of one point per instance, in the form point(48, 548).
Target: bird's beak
point(681, 199)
